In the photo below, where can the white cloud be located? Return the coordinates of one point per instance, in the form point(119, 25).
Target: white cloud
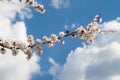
point(72, 26)
point(101, 61)
point(117, 77)
point(54, 70)
point(66, 26)
point(10, 9)
point(60, 3)
point(15, 67)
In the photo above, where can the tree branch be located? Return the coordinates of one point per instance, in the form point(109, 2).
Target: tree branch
point(89, 34)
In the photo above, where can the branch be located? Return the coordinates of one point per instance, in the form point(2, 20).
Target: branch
point(32, 3)
point(88, 34)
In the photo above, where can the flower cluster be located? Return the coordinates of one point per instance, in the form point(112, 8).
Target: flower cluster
point(89, 34)
point(38, 7)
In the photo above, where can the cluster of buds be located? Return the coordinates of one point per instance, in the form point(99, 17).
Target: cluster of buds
point(88, 34)
point(51, 40)
point(15, 47)
point(38, 7)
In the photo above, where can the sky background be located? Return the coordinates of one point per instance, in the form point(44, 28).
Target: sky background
point(101, 61)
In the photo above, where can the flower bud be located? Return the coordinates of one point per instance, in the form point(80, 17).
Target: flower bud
point(61, 34)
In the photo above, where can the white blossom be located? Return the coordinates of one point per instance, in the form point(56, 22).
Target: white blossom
point(31, 3)
point(45, 38)
point(38, 46)
point(100, 20)
point(2, 50)
point(39, 42)
point(81, 32)
point(96, 16)
point(98, 30)
point(31, 40)
point(28, 51)
point(40, 8)
point(29, 56)
point(54, 37)
point(50, 43)
point(7, 43)
point(14, 51)
point(21, 45)
point(39, 49)
point(35, 4)
point(1, 41)
point(61, 34)
point(97, 19)
point(62, 42)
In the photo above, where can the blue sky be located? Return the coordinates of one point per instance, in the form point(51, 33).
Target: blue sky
point(62, 62)
point(79, 12)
